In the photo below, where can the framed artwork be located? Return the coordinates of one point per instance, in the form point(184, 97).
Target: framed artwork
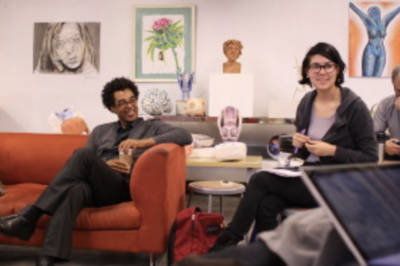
point(66, 48)
point(374, 38)
point(164, 42)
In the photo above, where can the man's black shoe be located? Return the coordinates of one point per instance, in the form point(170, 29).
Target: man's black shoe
point(17, 225)
point(45, 261)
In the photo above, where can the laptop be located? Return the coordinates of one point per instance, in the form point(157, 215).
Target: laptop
point(363, 202)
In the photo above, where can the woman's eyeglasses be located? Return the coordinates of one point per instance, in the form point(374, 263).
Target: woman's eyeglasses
point(328, 68)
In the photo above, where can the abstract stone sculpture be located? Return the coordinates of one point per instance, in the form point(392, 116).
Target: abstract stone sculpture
point(156, 102)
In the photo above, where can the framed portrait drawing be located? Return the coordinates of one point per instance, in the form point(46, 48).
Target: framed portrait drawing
point(66, 48)
point(164, 38)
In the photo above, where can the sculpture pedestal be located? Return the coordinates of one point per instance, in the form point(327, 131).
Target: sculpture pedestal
point(235, 90)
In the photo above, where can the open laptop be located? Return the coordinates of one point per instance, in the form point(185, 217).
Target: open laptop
point(363, 201)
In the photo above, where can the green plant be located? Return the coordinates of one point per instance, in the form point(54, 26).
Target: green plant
point(166, 34)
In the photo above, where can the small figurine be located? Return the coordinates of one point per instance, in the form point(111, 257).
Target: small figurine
point(195, 107)
point(232, 50)
point(185, 81)
point(230, 124)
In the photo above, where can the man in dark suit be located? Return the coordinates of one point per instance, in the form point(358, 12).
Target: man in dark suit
point(94, 175)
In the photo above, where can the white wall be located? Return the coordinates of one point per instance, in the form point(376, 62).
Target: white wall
point(275, 33)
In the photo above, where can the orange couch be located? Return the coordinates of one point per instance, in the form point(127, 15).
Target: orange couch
point(28, 162)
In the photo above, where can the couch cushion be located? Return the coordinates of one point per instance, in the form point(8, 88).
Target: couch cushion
point(123, 216)
point(18, 196)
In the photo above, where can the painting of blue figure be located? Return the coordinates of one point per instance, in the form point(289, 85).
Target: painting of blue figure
point(374, 38)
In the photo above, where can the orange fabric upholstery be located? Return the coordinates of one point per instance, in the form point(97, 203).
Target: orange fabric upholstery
point(29, 162)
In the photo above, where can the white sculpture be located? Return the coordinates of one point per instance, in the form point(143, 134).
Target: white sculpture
point(230, 124)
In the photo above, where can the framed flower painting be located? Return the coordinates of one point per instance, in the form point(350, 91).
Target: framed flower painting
point(164, 42)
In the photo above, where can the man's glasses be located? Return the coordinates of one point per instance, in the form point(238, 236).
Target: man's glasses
point(124, 104)
point(316, 68)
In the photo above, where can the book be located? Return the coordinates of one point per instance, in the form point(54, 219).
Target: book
point(290, 172)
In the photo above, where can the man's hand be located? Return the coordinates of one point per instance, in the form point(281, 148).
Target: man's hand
point(320, 148)
point(391, 147)
point(118, 166)
point(135, 143)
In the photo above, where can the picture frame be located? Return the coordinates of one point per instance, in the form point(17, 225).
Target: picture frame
point(164, 42)
point(373, 55)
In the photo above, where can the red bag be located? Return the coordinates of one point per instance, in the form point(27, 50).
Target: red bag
point(193, 232)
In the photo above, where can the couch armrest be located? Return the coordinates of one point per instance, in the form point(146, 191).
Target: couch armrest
point(158, 191)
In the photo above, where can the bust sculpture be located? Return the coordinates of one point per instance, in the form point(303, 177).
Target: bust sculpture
point(232, 50)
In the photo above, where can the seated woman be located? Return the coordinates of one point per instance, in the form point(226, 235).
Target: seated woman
point(336, 128)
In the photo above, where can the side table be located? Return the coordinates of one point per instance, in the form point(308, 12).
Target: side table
point(219, 188)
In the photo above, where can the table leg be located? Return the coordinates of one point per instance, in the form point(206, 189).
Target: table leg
point(189, 199)
point(220, 204)
point(209, 203)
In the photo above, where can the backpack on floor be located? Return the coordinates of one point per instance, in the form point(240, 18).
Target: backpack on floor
point(193, 232)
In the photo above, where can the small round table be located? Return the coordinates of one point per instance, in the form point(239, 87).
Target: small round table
point(219, 188)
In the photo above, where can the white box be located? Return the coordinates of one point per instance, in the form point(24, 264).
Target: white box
point(235, 90)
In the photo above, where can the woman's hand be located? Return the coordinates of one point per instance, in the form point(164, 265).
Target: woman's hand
point(391, 147)
point(320, 148)
point(118, 166)
point(299, 140)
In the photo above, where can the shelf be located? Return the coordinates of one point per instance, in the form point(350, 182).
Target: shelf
point(245, 120)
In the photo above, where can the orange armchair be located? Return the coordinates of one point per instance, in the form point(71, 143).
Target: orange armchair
point(29, 162)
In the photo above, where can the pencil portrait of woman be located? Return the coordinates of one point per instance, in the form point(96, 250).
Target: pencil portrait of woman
point(66, 48)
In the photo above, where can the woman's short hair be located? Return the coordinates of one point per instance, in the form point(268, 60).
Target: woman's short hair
point(326, 50)
point(234, 42)
point(47, 62)
point(117, 84)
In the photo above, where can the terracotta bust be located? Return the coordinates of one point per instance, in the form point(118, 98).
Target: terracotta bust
point(232, 50)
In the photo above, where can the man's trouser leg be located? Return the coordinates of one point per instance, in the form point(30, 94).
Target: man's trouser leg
point(84, 181)
point(58, 239)
point(107, 186)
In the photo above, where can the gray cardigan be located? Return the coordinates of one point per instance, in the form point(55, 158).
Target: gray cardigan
point(352, 132)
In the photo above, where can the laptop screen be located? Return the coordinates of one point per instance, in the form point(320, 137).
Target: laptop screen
point(365, 199)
